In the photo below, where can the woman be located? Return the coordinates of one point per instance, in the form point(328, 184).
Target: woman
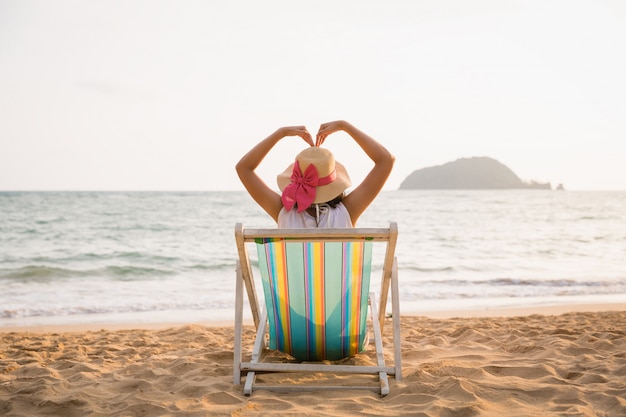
point(313, 186)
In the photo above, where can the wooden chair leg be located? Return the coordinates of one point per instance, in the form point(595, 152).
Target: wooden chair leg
point(238, 326)
point(378, 341)
point(259, 344)
point(395, 311)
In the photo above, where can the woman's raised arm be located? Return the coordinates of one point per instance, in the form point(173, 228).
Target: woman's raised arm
point(362, 195)
point(264, 195)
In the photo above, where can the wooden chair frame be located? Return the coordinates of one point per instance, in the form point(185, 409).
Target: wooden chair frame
point(389, 283)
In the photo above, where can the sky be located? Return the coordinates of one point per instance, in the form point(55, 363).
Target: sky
point(168, 95)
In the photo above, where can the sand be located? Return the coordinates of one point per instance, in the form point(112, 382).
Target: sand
point(571, 364)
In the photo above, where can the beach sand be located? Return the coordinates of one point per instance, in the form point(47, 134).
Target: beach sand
point(496, 364)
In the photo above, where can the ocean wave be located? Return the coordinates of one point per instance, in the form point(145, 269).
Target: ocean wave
point(43, 273)
point(560, 283)
point(38, 273)
point(520, 282)
point(221, 266)
point(511, 288)
point(428, 269)
point(71, 310)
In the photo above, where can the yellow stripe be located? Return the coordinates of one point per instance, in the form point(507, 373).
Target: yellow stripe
point(318, 285)
point(357, 261)
point(283, 292)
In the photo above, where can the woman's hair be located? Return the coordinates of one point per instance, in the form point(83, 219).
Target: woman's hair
point(333, 203)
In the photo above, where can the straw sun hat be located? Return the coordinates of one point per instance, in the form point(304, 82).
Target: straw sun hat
point(315, 177)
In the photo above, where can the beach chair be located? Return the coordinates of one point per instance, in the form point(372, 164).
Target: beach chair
point(316, 287)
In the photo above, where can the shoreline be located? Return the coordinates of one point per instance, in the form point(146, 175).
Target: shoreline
point(222, 322)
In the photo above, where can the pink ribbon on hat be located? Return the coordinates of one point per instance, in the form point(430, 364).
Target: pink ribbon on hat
point(302, 188)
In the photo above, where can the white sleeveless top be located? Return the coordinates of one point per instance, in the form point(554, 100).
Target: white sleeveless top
point(327, 217)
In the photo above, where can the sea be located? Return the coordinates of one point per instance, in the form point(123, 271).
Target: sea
point(155, 257)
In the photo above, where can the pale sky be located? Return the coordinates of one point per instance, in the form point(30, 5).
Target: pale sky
point(168, 95)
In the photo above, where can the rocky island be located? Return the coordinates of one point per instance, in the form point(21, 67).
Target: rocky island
point(476, 173)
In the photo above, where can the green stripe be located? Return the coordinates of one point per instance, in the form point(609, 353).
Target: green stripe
point(333, 295)
point(295, 271)
point(267, 292)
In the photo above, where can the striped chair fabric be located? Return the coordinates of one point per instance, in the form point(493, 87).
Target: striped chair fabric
point(318, 296)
